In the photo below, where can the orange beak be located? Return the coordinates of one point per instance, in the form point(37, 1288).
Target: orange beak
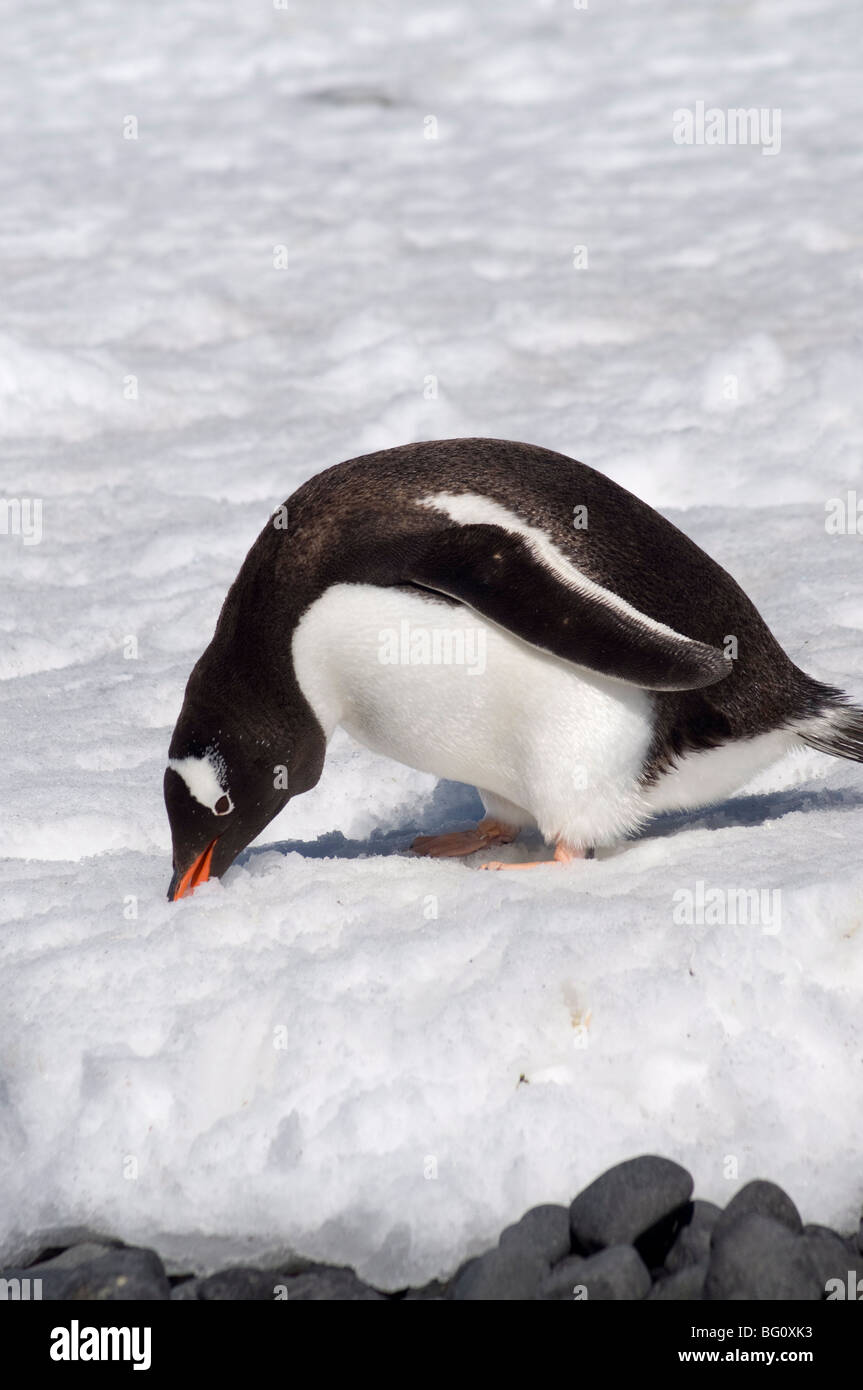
point(197, 874)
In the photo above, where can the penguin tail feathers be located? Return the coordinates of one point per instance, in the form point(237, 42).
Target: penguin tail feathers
point(837, 728)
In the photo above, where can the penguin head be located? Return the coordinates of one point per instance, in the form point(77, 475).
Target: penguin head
point(218, 799)
point(225, 781)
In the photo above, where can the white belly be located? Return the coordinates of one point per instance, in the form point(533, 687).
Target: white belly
point(438, 687)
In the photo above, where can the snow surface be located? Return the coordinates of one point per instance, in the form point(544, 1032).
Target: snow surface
point(340, 1049)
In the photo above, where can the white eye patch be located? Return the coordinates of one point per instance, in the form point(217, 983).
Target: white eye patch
point(205, 777)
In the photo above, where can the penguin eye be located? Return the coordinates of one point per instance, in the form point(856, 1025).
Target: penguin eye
point(222, 806)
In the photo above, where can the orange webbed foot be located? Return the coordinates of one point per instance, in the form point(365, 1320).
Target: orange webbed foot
point(457, 843)
point(563, 854)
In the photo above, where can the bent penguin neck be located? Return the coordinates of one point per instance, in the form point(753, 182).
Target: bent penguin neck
point(246, 675)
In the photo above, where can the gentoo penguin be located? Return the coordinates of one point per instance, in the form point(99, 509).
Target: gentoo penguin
point(497, 614)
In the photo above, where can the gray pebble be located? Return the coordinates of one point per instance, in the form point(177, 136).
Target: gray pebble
point(627, 1201)
point(760, 1198)
point(692, 1245)
point(30, 1250)
point(76, 1255)
point(832, 1257)
point(326, 1283)
point(121, 1274)
point(542, 1233)
point(501, 1275)
point(618, 1272)
point(239, 1283)
point(758, 1258)
point(686, 1283)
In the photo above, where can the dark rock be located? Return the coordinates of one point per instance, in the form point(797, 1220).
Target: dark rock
point(121, 1274)
point(525, 1253)
point(758, 1258)
point(687, 1282)
point(501, 1275)
point(542, 1233)
point(75, 1256)
point(618, 1272)
point(57, 1272)
point(125, 1274)
point(760, 1198)
point(46, 1244)
point(239, 1284)
point(325, 1282)
point(629, 1203)
point(831, 1256)
point(692, 1245)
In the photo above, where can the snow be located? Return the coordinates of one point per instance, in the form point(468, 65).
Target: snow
point(339, 1049)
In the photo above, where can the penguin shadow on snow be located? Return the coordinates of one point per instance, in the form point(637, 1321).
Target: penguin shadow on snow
point(753, 809)
point(453, 806)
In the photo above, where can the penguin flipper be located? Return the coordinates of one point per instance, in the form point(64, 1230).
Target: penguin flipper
point(534, 592)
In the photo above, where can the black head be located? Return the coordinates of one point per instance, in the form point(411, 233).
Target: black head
point(208, 835)
point(230, 771)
